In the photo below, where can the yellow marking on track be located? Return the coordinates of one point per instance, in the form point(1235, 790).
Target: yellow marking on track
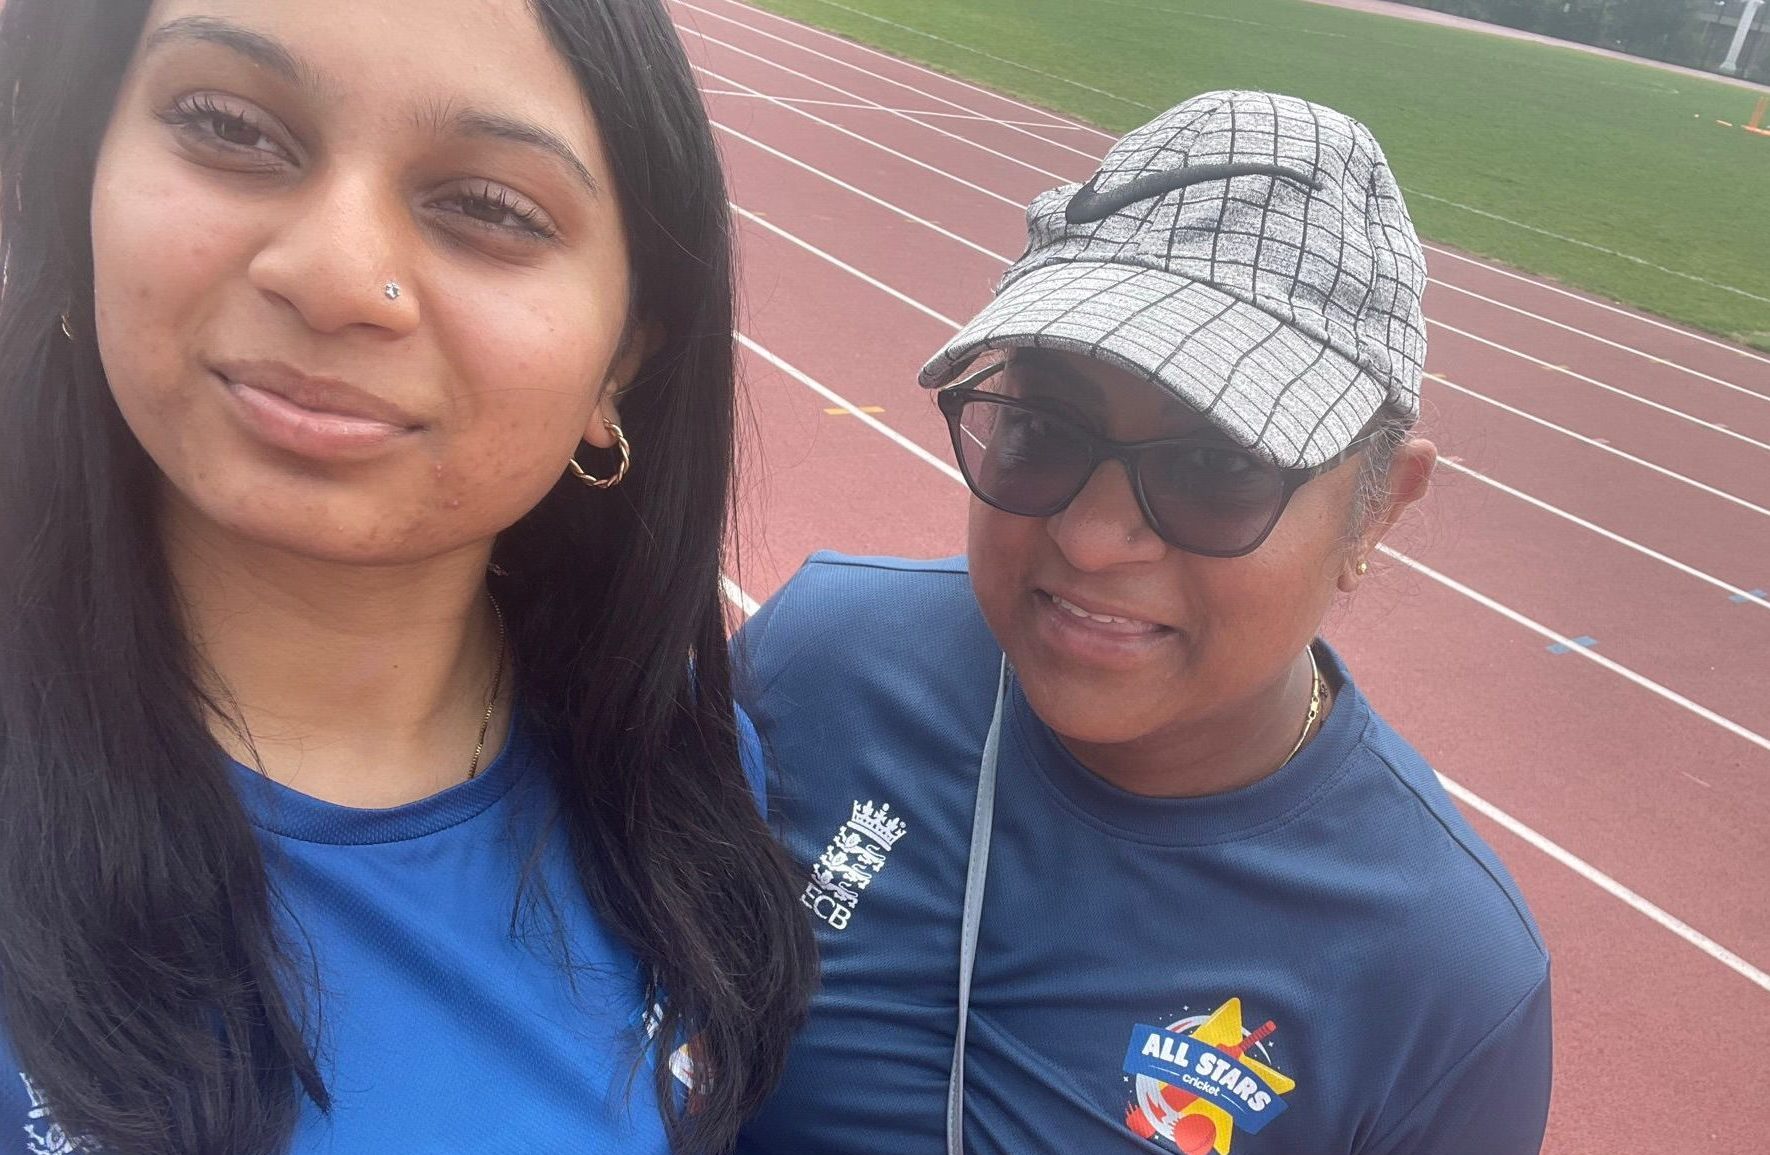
point(862, 408)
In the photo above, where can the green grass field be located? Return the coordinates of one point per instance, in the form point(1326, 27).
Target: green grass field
point(1597, 154)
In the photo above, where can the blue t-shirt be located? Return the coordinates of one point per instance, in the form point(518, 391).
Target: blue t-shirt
point(445, 1028)
point(1326, 962)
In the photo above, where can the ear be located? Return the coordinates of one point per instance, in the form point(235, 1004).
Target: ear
point(637, 346)
point(1410, 476)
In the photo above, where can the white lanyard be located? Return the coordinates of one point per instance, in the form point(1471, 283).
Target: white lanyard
point(976, 873)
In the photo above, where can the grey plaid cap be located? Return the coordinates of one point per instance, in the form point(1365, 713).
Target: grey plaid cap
point(1248, 251)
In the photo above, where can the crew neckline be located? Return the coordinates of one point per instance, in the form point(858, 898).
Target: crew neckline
point(283, 810)
point(1210, 818)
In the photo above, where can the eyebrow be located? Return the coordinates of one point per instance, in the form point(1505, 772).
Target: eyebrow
point(476, 123)
point(266, 52)
point(255, 46)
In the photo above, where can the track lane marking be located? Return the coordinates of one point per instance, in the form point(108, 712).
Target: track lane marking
point(1738, 593)
point(1068, 122)
point(1005, 259)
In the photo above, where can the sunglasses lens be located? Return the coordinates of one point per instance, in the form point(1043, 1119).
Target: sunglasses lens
point(1019, 459)
point(1214, 499)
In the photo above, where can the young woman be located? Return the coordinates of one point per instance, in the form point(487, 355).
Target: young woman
point(1186, 891)
point(369, 765)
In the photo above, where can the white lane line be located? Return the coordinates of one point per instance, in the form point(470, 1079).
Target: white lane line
point(1005, 259)
point(1596, 444)
point(1745, 596)
point(860, 192)
point(1057, 119)
point(1196, 15)
point(764, 223)
point(1013, 202)
point(1022, 127)
point(861, 103)
point(1586, 652)
point(1141, 106)
point(735, 594)
point(901, 114)
point(909, 114)
point(1609, 885)
point(1593, 381)
point(1618, 345)
point(1070, 122)
point(1582, 298)
point(854, 410)
point(1567, 240)
point(1144, 106)
point(1590, 873)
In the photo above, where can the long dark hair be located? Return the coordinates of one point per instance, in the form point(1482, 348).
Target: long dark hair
point(145, 980)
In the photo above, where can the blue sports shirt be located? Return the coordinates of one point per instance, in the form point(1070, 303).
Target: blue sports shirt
point(1326, 962)
point(448, 1022)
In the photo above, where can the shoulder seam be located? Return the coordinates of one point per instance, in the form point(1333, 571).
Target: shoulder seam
point(1523, 917)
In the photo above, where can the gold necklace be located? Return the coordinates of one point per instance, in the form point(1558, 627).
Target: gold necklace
point(485, 723)
point(1315, 695)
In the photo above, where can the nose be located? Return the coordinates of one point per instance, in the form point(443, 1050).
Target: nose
point(1104, 526)
point(338, 256)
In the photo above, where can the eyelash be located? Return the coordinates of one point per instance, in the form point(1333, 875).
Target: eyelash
point(528, 218)
point(203, 114)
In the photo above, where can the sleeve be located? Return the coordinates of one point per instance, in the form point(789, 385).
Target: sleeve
point(760, 651)
point(1494, 1101)
point(762, 648)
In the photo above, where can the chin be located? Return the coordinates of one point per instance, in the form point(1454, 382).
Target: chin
point(1093, 712)
point(328, 529)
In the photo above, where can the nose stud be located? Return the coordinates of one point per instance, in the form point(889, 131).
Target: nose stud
point(391, 290)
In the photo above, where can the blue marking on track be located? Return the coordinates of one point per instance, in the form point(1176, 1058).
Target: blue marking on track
point(1582, 640)
point(1741, 599)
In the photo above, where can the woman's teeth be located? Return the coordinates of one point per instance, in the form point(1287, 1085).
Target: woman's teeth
point(1105, 619)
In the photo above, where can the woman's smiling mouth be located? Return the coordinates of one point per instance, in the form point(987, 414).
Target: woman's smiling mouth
point(1080, 631)
point(311, 416)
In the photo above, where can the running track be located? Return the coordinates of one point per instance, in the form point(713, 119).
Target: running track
point(1607, 477)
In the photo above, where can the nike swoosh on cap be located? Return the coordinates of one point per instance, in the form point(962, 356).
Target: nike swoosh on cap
point(1089, 204)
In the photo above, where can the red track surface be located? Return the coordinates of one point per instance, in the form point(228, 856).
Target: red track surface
point(1638, 793)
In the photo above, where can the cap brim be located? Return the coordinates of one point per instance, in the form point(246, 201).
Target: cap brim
point(1288, 396)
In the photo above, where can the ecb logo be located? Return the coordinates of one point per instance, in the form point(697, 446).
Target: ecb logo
point(854, 857)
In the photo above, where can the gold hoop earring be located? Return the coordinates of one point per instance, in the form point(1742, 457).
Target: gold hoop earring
point(620, 470)
point(1363, 568)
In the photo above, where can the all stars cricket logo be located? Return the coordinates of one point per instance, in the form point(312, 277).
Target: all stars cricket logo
point(1201, 1078)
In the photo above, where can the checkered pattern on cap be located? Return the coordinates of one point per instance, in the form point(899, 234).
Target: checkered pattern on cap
point(1286, 314)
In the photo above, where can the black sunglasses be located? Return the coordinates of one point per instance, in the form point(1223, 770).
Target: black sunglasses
point(1201, 494)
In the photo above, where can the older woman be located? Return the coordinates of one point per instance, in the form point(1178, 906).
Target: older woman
point(1105, 846)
